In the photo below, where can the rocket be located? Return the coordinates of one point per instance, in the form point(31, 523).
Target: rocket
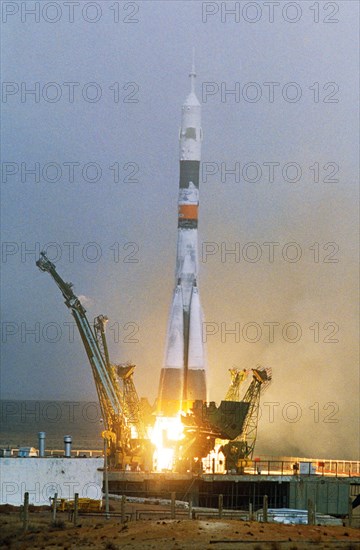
point(183, 376)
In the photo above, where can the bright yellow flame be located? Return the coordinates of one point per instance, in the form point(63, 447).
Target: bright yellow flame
point(165, 434)
point(214, 462)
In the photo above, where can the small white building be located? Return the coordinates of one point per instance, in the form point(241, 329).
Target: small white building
point(43, 477)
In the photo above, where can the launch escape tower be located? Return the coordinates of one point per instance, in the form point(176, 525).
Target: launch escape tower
point(183, 376)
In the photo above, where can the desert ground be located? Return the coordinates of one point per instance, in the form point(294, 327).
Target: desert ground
point(162, 533)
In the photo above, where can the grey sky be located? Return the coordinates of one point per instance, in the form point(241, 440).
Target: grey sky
point(155, 55)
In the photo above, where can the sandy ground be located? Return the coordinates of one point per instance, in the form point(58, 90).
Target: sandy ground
point(166, 534)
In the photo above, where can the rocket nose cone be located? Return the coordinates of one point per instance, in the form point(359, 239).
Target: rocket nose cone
point(192, 100)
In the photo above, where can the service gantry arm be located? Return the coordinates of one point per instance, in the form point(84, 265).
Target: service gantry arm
point(99, 331)
point(132, 404)
point(242, 447)
point(124, 374)
point(109, 395)
point(237, 378)
point(261, 380)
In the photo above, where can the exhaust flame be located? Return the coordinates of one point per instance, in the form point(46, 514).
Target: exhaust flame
point(165, 434)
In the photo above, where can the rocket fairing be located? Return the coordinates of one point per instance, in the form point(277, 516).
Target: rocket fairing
point(183, 376)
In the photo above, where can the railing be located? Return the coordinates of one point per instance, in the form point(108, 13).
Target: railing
point(336, 468)
point(60, 453)
point(77, 453)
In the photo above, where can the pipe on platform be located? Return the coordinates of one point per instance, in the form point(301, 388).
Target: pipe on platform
point(41, 438)
point(67, 445)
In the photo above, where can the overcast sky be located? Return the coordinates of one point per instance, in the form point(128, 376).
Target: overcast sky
point(106, 110)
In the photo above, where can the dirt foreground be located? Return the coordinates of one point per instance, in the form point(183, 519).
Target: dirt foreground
point(166, 534)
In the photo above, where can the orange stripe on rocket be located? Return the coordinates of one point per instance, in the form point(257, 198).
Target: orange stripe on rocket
point(188, 212)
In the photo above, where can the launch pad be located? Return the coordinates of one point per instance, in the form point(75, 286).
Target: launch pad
point(185, 443)
point(182, 428)
point(330, 494)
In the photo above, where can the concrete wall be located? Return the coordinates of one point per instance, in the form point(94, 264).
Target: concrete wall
point(330, 495)
point(42, 477)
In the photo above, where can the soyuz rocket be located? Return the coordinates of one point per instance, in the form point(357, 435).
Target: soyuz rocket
point(183, 376)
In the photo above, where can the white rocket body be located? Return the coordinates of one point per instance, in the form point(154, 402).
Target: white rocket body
point(183, 377)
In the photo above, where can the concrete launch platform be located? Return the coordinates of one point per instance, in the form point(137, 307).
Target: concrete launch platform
point(330, 494)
